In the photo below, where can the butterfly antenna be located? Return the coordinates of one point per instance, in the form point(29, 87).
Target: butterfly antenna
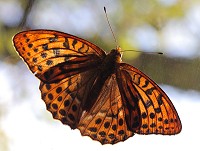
point(110, 26)
point(152, 52)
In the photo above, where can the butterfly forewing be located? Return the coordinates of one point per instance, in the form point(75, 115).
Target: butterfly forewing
point(157, 113)
point(50, 54)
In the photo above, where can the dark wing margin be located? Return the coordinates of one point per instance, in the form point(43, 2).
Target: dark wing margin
point(157, 113)
point(50, 54)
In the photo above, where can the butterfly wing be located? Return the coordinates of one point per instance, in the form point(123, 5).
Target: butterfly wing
point(67, 67)
point(105, 121)
point(53, 56)
point(157, 114)
point(65, 99)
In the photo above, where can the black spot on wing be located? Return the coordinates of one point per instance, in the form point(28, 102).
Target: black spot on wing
point(74, 43)
point(66, 44)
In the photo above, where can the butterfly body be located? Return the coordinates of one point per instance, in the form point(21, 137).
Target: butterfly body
point(95, 92)
point(108, 67)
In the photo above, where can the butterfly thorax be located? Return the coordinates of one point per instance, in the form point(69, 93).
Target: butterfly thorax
point(111, 60)
point(114, 55)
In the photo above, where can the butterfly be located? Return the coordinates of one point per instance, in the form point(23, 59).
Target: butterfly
point(95, 92)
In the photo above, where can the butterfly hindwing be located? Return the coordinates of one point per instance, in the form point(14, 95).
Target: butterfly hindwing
point(105, 121)
point(66, 98)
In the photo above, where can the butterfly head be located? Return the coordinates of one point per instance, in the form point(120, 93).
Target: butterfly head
point(116, 54)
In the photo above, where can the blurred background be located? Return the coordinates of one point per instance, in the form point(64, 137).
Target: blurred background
point(168, 26)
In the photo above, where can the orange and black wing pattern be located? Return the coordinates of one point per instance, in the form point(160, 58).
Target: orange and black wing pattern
point(106, 120)
point(86, 89)
point(67, 67)
point(140, 94)
point(53, 56)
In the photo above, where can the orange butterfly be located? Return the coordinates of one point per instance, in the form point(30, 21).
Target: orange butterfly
point(95, 92)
